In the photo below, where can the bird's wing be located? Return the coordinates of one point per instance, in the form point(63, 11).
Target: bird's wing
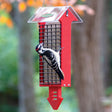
point(48, 56)
point(47, 60)
point(56, 56)
point(53, 60)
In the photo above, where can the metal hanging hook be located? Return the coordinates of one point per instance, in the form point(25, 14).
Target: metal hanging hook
point(43, 4)
point(66, 2)
point(67, 10)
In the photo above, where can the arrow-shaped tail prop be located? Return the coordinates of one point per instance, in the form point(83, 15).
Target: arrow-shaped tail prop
point(55, 97)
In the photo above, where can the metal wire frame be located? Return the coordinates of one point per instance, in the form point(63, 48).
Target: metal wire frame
point(50, 35)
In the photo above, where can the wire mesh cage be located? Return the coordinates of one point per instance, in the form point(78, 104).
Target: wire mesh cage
point(50, 36)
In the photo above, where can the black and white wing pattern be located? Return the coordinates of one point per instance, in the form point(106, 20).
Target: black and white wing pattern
point(50, 59)
point(53, 60)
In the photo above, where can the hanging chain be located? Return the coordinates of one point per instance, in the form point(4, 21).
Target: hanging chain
point(43, 4)
point(66, 2)
point(66, 5)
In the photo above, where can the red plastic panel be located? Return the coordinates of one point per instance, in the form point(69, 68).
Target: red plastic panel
point(55, 97)
point(66, 21)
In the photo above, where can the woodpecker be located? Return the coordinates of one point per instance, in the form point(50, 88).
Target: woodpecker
point(51, 57)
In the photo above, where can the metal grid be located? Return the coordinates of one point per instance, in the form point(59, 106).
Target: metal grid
point(50, 35)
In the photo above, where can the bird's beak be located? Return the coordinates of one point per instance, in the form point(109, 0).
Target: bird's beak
point(41, 44)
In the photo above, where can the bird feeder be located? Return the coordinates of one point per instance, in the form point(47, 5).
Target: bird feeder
point(55, 32)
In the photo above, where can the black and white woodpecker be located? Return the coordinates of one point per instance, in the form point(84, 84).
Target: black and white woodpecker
point(51, 57)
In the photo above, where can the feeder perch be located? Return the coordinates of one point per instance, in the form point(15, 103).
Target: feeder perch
point(55, 32)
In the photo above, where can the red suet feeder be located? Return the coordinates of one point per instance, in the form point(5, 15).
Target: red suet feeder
point(55, 32)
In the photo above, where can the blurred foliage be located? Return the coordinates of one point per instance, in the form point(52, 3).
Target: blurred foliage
point(8, 69)
point(109, 91)
point(7, 6)
point(110, 39)
point(5, 19)
point(8, 108)
point(8, 58)
point(35, 41)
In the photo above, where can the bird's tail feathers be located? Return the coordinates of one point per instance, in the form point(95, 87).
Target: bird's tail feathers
point(60, 73)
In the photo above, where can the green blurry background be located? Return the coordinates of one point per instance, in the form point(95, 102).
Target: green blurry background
point(9, 96)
